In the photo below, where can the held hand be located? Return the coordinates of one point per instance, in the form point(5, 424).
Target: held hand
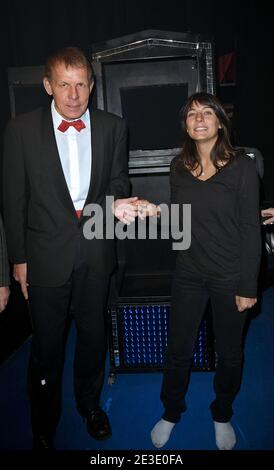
point(20, 275)
point(243, 303)
point(269, 213)
point(125, 210)
point(4, 297)
point(147, 209)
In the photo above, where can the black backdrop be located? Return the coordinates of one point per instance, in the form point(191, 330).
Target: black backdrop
point(31, 30)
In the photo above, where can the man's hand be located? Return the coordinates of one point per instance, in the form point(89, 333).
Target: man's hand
point(269, 213)
point(243, 303)
point(20, 275)
point(4, 297)
point(125, 210)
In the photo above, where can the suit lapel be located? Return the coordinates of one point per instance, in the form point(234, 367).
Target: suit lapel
point(53, 165)
point(97, 158)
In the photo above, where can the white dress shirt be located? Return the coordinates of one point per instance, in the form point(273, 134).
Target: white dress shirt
point(75, 154)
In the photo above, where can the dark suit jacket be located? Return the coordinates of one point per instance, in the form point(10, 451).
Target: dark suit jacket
point(4, 265)
point(41, 225)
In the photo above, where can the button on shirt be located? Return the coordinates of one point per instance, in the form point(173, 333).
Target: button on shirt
point(75, 154)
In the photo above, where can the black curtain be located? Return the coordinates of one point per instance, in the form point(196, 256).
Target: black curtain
point(30, 30)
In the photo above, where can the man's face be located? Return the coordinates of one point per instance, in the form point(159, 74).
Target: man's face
point(70, 88)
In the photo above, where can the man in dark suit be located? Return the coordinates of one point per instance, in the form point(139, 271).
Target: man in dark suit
point(57, 160)
point(4, 270)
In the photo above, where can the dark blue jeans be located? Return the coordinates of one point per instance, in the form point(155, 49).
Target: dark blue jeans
point(190, 296)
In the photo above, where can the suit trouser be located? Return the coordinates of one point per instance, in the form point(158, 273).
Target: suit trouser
point(190, 296)
point(49, 312)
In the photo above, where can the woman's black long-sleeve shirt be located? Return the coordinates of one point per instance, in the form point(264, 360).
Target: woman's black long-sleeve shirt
point(225, 223)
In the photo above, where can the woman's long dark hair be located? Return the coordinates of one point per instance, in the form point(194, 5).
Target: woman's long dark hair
point(222, 151)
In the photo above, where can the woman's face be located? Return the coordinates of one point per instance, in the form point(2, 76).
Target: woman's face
point(202, 124)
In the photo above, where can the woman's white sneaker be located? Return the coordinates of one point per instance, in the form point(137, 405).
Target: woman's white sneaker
point(160, 434)
point(225, 436)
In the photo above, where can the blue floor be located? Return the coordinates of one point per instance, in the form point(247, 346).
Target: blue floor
point(133, 403)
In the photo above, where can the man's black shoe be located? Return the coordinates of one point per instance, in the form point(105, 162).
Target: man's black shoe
point(98, 425)
point(43, 442)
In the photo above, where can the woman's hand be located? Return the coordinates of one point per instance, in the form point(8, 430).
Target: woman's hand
point(146, 209)
point(243, 303)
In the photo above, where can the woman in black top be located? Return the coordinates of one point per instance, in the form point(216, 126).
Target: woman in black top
point(222, 263)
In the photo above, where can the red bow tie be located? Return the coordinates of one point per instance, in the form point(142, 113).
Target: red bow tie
point(79, 125)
